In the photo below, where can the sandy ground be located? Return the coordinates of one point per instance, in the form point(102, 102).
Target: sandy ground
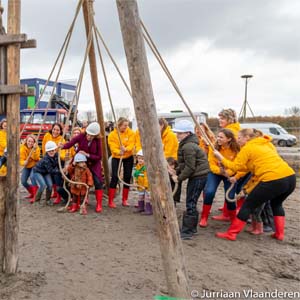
point(116, 255)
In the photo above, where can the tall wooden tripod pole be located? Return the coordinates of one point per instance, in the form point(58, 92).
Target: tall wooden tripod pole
point(13, 143)
point(88, 19)
point(145, 110)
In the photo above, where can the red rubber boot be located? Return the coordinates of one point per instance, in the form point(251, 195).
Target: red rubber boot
point(111, 196)
point(234, 229)
point(30, 191)
point(224, 216)
point(204, 215)
point(99, 197)
point(125, 197)
point(279, 227)
point(54, 195)
point(58, 199)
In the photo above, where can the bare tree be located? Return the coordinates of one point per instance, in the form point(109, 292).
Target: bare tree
point(293, 111)
point(91, 116)
point(119, 112)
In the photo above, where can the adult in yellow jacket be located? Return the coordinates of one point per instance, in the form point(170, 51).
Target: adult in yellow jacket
point(276, 179)
point(227, 145)
point(29, 156)
point(168, 139)
point(3, 144)
point(228, 120)
point(55, 135)
point(122, 150)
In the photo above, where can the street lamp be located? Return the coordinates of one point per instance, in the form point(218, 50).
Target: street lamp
point(242, 114)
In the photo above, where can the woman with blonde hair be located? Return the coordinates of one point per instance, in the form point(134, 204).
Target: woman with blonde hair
point(29, 156)
point(118, 151)
point(276, 180)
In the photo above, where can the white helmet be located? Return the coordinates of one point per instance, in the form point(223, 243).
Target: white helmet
point(93, 129)
point(140, 153)
point(79, 157)
point(184, 126)
point(50, 145)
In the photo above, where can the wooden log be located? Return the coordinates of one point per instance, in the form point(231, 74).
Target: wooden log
point(28, 44)
point(9, 39)
point(11, 254)
point(2, 213)
point(87, 9)
point(13, 89)
point(145, 110)
point(2, 66)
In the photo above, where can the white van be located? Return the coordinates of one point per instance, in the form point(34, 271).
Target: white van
point(279, 135)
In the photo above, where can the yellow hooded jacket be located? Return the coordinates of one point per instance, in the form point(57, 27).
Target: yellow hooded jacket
point(3, 141)
point(260, 157)
point(235, 128)
point(48, 137)
point(214, 163)
point(127, 139)
point(170, 143)
point(140, 176)
point(34, 158)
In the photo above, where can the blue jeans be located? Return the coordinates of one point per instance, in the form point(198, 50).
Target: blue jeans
point(193, 190)
point(43, 181)
point(26, 173)
point(213, 181)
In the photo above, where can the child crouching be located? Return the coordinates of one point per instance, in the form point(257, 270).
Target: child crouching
point(79, 172)
point(140, 178)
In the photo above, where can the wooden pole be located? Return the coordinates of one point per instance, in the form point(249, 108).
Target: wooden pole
point(88, 12)
point(2, 111)
point(145, 110)
point(2, 227)
point(13, 143)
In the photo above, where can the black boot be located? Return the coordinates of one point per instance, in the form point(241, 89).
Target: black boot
point(195, 223)
point(48, 198)
point(189, 226)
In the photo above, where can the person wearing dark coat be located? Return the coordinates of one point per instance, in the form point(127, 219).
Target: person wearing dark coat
point(193, 166)
point(89, 144)
point(44, 172)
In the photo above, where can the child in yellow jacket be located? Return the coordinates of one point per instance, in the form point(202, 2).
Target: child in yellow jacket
point(140, 178)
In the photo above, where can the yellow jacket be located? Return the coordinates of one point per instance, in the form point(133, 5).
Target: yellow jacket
point(260, 157)
point(170, 143)
point(140, 176)
point(214, 163)
point(3, 141)
point(235, 128)
point(127, 140)
point(251, 184)
point(48, 137)
point(34, 158)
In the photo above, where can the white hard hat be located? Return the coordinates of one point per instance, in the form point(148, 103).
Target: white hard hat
point(140, 153)
point(79, 157)
point(50, 145)
point(184, 126)
point(93, 129)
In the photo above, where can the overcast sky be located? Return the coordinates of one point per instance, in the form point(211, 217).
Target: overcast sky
point(207, 45)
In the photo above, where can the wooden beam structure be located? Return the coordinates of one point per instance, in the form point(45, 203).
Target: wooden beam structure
point(88, 12)
point(10, 39)
point(11, 224)
point(13, 89)
point(145, 111)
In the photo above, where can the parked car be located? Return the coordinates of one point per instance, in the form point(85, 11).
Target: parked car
point(279, 135)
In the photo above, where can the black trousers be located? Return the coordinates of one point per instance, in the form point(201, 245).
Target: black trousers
point(127, 171)
point(276, 191)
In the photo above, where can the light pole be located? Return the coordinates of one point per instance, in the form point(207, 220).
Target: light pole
point(243, 114)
